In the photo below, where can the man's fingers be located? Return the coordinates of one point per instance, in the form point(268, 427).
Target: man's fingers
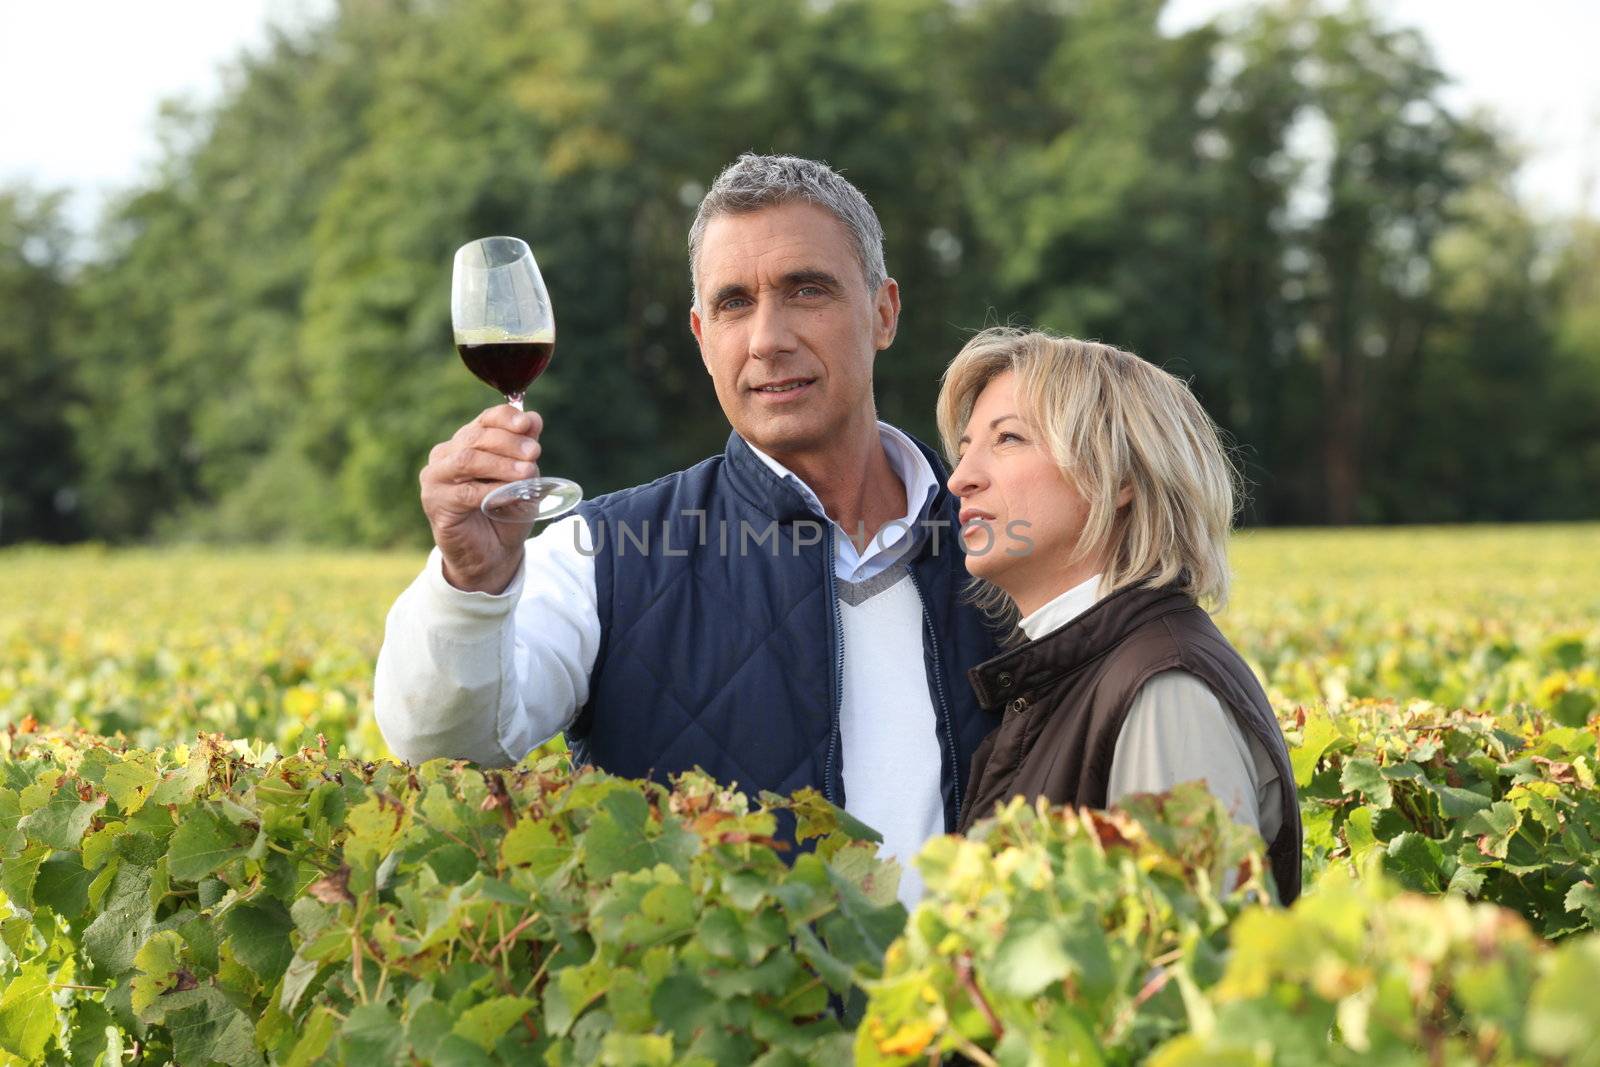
point(530, 423)
point(500, 445)
point(505, 443)
point(506, 417)
point(503, 429)
point(462, 496)
point(457, 497)
point(502, 417)
point(474, 464)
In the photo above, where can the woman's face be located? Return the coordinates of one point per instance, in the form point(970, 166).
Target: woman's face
point(1021, 519)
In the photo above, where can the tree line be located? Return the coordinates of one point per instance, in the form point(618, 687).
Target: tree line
point(1279, 206)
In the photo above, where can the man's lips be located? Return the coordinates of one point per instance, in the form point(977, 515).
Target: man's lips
point(783, 388)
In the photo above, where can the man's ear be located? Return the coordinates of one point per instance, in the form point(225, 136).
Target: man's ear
point(886, 312)
point(697, 327)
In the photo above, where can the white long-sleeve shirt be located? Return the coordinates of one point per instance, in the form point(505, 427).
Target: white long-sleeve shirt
point(490, 677)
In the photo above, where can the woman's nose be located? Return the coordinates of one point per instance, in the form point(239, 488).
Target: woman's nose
point(965, 479)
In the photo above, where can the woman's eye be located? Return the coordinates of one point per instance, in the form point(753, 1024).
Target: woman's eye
point(1006, 435)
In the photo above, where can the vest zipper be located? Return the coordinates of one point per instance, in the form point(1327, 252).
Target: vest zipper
point(938, 687)
point(838, 671)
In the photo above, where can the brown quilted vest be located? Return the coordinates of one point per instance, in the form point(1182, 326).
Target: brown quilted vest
point(1067, 695)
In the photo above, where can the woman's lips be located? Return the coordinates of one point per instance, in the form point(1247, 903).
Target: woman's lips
point(974, 521)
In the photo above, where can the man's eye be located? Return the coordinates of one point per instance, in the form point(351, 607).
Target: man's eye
point(733, 303)
point(809, 290)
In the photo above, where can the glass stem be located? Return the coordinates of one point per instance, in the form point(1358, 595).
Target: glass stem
point(515, 400)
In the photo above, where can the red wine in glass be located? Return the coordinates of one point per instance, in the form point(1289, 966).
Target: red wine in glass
point(509, 366)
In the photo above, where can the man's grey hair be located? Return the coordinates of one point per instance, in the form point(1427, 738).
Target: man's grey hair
point(753, 182)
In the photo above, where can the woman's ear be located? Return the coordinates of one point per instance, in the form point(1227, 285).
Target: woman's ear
point(1124, 496)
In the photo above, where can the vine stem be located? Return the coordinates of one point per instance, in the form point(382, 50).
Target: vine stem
point(499, 948)
point(1167, 957)
point(477, 953)
point(436, 828)
point(485, 956)
point(85, 988)
point(1155, 985)
point(808, 987)
point(505, 942)
point(964, 976)
point(355, 951)
point(543, 964)
point(355, 965)
point(307, 856)
point(976, 1054)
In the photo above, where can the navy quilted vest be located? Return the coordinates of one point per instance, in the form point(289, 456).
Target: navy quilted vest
point(721, 644)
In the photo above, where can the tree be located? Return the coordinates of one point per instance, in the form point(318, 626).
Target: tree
point(1277, 206)
point(38, 474)
point(1369, 170)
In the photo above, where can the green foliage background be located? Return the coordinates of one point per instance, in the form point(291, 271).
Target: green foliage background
point(256, 347)
point(250, 895)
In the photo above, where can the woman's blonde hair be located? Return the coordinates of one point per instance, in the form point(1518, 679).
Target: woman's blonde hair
point(1112, 420)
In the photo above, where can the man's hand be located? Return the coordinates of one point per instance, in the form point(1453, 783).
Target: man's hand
point(500, 445)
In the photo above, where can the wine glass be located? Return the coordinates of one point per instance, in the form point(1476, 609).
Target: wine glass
point(505, 331)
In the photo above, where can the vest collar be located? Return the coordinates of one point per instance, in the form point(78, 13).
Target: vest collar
point(1061, 652)
point(761, 487)
point(775, 498)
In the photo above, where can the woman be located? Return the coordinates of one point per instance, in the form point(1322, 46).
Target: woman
point(1096, 503)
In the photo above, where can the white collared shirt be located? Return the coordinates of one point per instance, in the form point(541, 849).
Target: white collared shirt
point(1063, 609)
point(890, 760)
point(892, 541)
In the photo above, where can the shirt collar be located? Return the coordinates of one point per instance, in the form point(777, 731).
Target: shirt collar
point(1029, 667)
point(906, 459)
point(1063, 609)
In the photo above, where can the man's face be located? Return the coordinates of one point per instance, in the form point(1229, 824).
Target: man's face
point(787, 329)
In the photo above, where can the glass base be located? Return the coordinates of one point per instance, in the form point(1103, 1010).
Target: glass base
point(532, 500)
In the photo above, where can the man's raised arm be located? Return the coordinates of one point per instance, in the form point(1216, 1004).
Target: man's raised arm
point(488, 652)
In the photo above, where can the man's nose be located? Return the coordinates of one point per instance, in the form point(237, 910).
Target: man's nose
point(770, 331)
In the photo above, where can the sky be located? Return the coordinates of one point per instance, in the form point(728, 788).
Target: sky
point(1531, 63)
point(87, 124)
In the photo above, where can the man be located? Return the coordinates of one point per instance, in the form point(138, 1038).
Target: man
point(786, 614)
